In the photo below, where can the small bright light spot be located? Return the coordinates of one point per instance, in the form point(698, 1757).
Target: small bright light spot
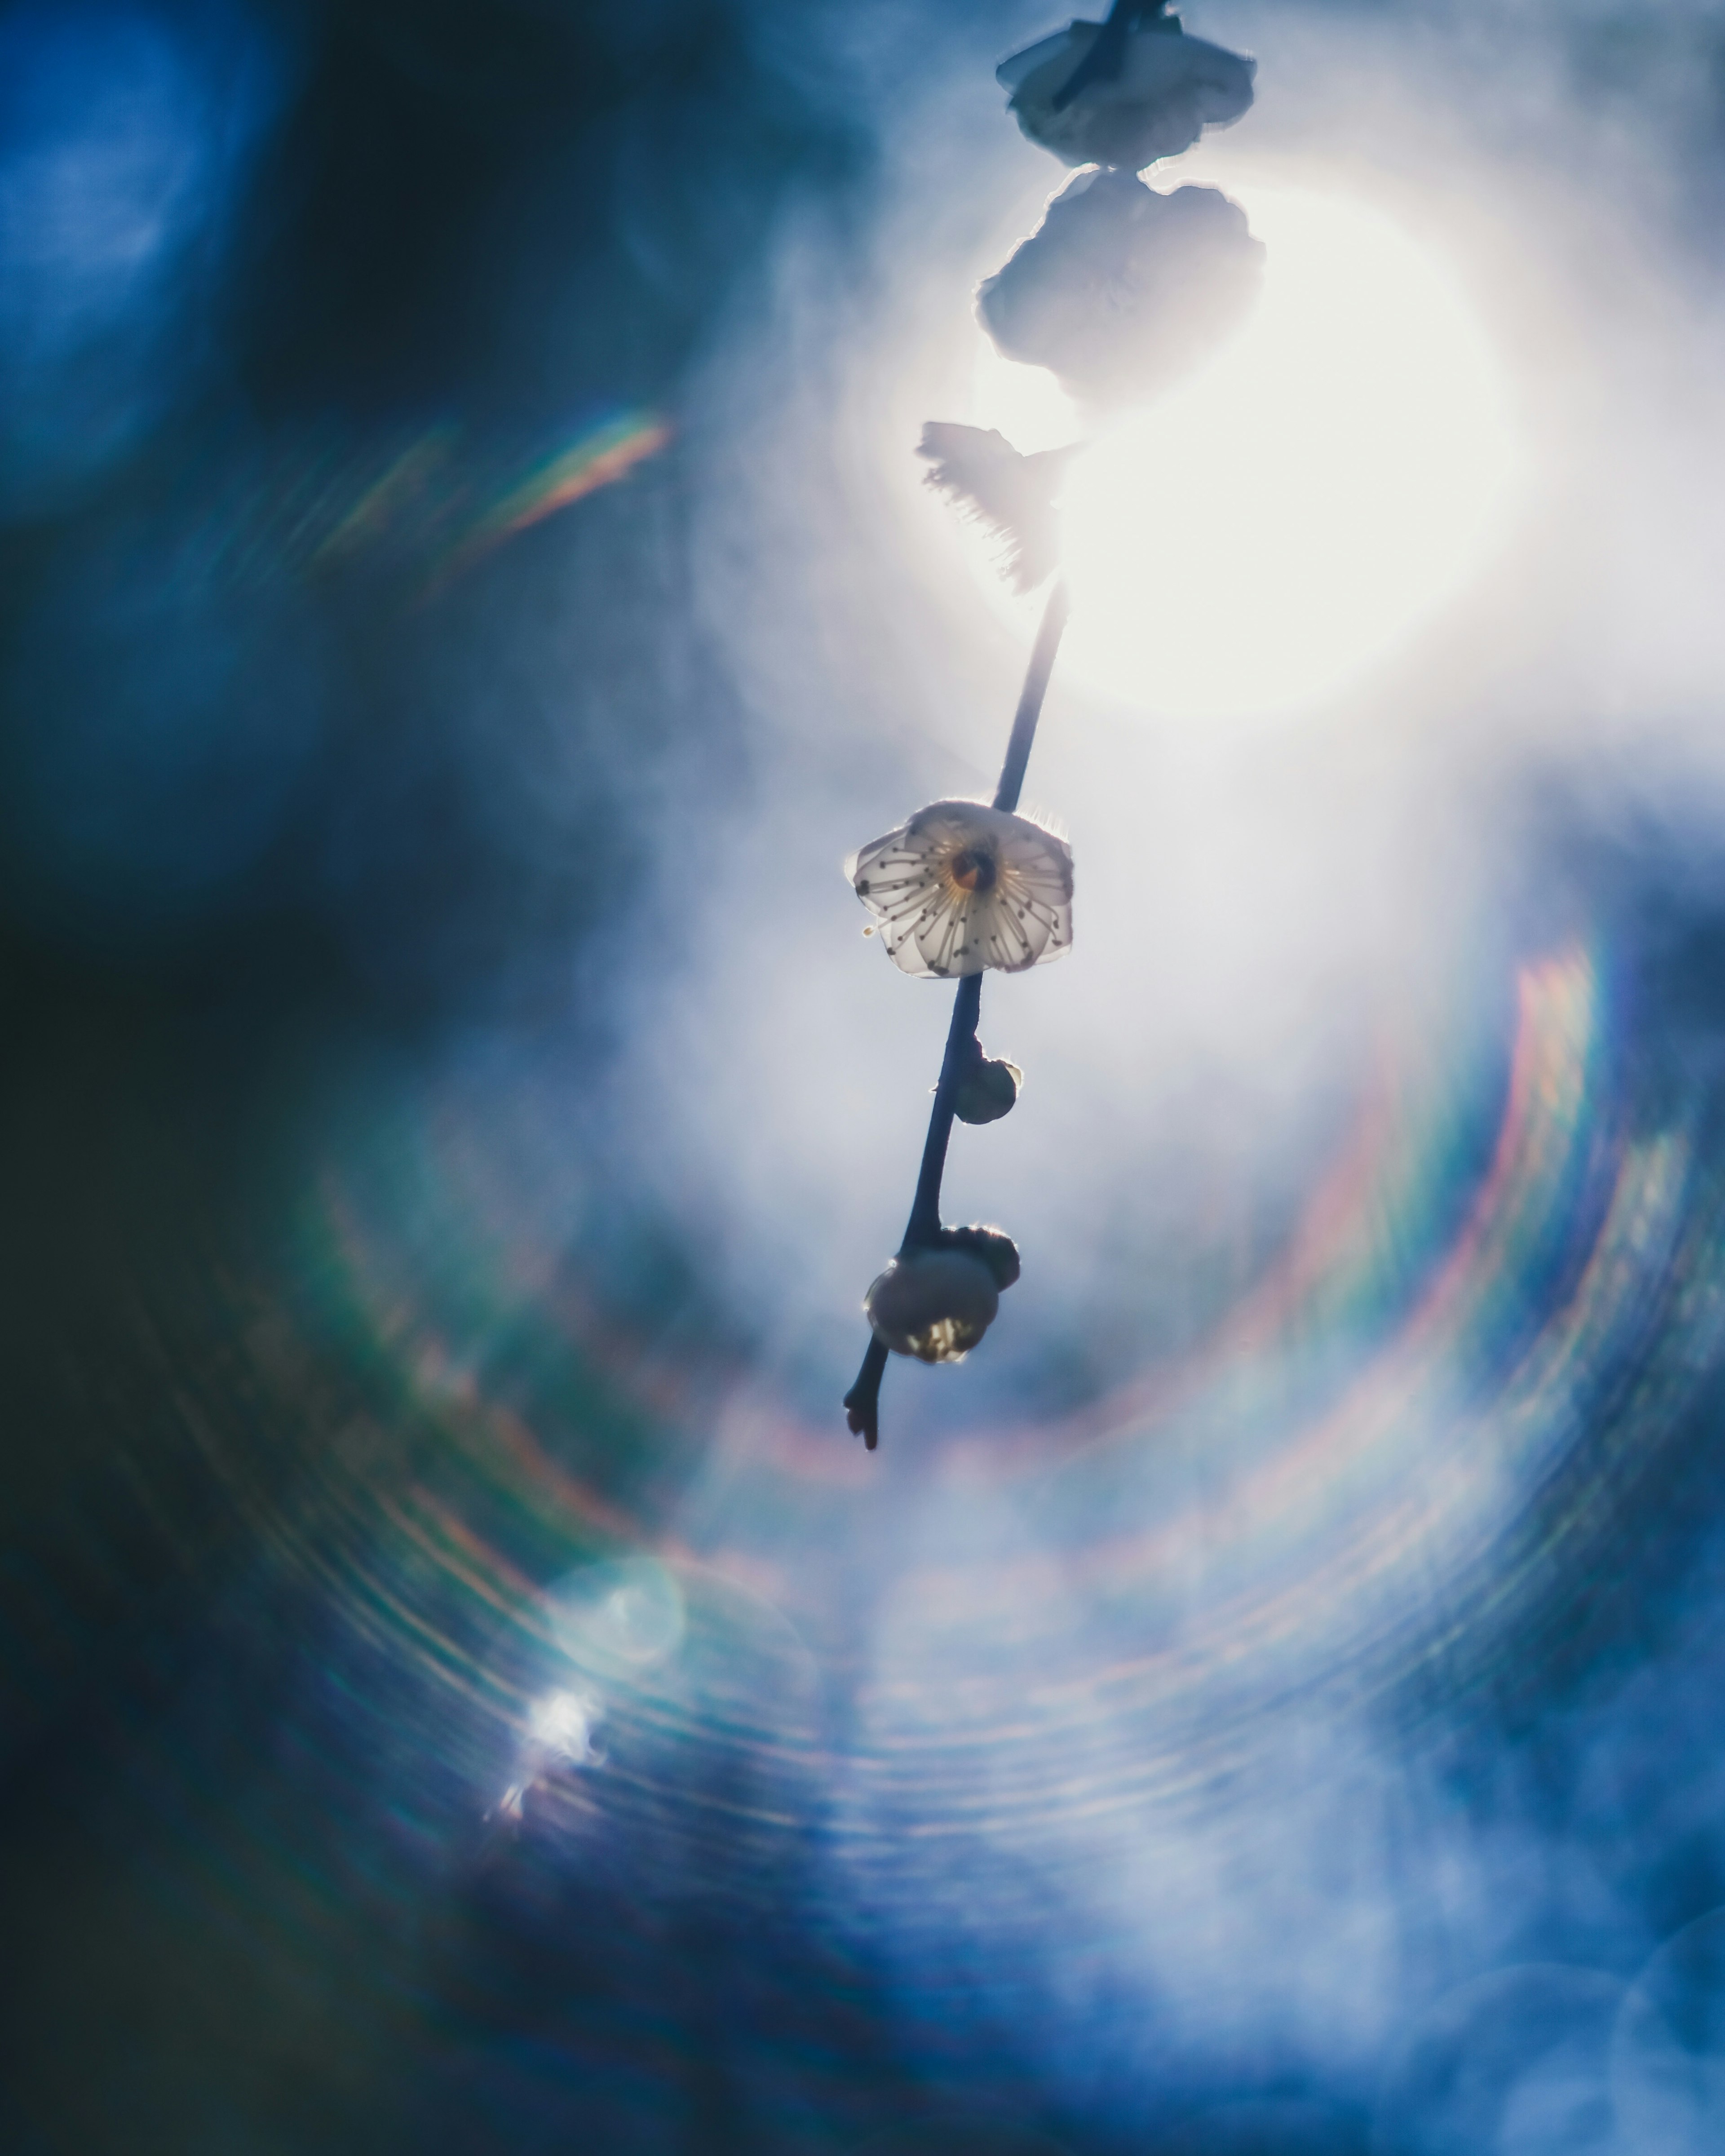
point(560, 1729)
point(562, 1723)
point(1266, 530)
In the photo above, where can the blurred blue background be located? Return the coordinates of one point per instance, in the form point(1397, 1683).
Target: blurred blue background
point(466, 589)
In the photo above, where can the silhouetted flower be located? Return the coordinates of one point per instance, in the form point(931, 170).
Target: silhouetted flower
point(1125, 93)
point(1009, 494)
point(1120, 289)
point(937, 1302)
point(963, 887)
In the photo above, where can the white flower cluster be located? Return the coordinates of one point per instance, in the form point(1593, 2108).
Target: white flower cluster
point(1120, 289)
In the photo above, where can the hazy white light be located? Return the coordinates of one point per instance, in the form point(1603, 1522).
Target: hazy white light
point(562, 1723)
point(560, 1729)
point(621, 1613)
point(1266, 530)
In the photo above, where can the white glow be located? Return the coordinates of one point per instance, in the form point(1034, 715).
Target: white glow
point(624, 1614)
point(562, 1723)
point(1268, 529)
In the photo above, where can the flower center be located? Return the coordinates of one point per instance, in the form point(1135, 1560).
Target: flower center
point(972, 870)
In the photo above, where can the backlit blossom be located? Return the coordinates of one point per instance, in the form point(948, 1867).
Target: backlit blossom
point(1144, 90)
point(1120, 289)
point(1009, 494)
point(963, 887)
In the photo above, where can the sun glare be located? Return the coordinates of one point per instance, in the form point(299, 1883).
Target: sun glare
point(1267, 531)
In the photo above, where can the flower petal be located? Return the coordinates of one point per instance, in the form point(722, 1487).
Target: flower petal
point(1169, 88)
point(1008, 495)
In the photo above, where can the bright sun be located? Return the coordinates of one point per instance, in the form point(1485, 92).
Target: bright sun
point(1268, 529)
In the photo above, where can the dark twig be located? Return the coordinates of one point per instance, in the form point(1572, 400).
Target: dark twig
point(862, 1403)
point(924, 1228)
point(1035, 688)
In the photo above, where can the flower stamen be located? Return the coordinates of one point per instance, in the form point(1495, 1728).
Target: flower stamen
point(970, 869)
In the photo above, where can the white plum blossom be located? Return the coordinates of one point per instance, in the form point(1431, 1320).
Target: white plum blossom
point(963, 887)
point(1120, 289)
point(1143, 91)
point(1009, 494)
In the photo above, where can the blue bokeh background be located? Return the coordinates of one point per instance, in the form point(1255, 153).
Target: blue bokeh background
point(460, 1689)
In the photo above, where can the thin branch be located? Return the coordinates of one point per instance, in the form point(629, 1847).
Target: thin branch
point(924, 1228)
point(862, 1403)
point(1035, 688)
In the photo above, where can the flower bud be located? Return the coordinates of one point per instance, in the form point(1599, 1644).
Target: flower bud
point(993, 1246)
point(934, 1304)
point(988, 1090)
